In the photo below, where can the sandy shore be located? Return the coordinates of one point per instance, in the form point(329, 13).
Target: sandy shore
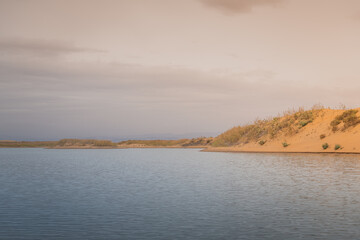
point(235, 150)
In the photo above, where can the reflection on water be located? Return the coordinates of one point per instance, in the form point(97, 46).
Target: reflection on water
point(177, 194)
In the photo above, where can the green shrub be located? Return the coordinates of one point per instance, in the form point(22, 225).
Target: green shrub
point(305, 117)
point(325, 146)
point(322, 136)
point(303, 123)
point(337, 146)
point(285, 144)
point(335, 122)
point(262, 142)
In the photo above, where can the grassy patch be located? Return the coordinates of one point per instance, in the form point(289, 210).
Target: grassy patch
point(348, 118)
point(286, 125)
point(304, 117)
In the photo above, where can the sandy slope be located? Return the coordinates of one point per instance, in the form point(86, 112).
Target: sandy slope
point(308, 138)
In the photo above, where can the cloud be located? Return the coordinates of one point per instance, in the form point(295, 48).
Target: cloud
point(69, 98)
point(72, 99)
point(40, 47)
point(239, 6)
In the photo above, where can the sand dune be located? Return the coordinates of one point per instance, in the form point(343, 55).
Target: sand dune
point(307, 138)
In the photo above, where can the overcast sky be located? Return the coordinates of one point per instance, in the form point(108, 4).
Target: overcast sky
point(167, 68)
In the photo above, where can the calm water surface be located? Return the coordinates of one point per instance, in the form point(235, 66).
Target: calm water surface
point(177, 194)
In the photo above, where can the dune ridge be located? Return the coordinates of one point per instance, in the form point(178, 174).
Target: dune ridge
point(313, 131)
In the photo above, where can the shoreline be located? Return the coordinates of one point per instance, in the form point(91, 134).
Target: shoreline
point(203, 149)
point(277, 152)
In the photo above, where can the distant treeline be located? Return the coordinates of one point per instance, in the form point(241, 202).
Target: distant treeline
point(156, 143)
point(85, 142)
point(201, 141)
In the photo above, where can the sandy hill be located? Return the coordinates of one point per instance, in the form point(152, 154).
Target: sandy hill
point(316, 130)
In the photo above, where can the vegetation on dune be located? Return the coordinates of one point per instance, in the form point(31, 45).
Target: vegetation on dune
point(285, 144)
point(287, 125)
point(337, 146)
point(325, 146)
point(348, 119)
point(262, 142)
point(201, 141)
point(304, 118)
point(322, 136)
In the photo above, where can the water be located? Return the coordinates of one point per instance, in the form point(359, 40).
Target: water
point(177, 194)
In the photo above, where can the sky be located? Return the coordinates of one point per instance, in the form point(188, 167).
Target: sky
point(119, 69)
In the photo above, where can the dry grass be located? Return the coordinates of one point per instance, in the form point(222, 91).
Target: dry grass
point(347, 119)
point(288, 124)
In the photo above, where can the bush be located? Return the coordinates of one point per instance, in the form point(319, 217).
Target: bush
point(322, 136)
point(349, 118)
point(335, 122)
point(285, 144)
point(325, 146)
point(304, 117)
point(303, 123)
point(337, 146)
point(262, 142)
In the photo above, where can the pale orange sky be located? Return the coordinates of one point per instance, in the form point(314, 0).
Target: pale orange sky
point(113, 68)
